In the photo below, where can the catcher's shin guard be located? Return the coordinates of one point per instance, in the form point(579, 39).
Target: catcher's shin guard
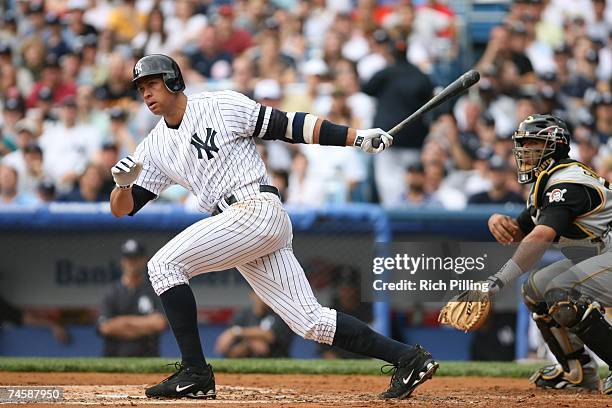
point(595, 331)
point(583, 317)
point(555, 337)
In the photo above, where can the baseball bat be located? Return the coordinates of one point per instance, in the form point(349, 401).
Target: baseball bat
point(458, 86)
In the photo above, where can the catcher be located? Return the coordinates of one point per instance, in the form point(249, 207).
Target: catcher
point(570, 205)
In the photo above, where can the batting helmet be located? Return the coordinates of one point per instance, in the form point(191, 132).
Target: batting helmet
point(159, 64)
point(531, 161)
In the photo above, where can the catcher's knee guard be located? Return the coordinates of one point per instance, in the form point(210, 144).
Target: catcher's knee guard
point(583, 317)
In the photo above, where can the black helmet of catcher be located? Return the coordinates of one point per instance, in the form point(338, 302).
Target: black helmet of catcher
point(531, 161)
point(159, 64)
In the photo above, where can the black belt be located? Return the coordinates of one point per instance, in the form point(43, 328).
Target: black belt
point(231, 199)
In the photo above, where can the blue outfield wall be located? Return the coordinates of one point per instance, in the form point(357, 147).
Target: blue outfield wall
point(400, 224)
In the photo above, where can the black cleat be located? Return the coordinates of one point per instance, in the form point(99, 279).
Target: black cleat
point(410, 371)
point(186, 382)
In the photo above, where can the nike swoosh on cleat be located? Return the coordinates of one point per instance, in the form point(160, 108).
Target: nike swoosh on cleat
point(179, 388)
point(407, 379)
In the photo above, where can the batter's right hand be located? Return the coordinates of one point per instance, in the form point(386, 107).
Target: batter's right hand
point(126, 171)
point(503, 228)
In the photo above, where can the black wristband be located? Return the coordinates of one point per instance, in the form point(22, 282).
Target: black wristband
point(332, 134)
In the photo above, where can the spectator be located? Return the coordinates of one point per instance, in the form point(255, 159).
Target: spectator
point(588, 147)
point(450, 198)
point(90, 73)
point(33, 53)
point(77, 30)
point(69, 145)
point(268, 92)
point(280, 180)
point(126, 21)
point(232, 39)
point(27, 159)
point(8, 188)
point(602, 111)
point(499, 193)
point(120, 132)
point(54, 40)
point(378, 58)
point(9, 313)
point(400, 90)
point(415, 187)
point(88, 188)
point(154, 39)
point(106, 158)
point(13, 112)
point(194, 81)
point(118, 87)
point(243, 77)
point(131, 318)
point(347, 297)
point(46, 191)
point(255, 332)
point(270, 61)
point(208, 58)
point(52, 78)
point(185, 26)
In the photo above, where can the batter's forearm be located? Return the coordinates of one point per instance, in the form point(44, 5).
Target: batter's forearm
point(302, 127)
point(121, 202)
point(310, 129)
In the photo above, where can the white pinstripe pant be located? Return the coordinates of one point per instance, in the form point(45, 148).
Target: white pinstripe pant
point(253, 235)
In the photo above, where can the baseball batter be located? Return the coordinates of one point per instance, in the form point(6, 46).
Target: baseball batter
point(571, 205)
point(205, 143)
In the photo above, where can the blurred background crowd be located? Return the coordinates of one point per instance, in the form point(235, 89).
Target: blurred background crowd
point(69, 111)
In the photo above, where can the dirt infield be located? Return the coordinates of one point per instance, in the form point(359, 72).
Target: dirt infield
point(304, 391)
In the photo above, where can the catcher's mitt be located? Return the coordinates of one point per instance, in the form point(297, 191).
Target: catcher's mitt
point(466, 311)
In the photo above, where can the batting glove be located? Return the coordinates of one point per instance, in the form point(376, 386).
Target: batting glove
point(126, 171)
point(372, 140)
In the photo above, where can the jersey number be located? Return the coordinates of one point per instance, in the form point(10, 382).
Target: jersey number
point(208, 145)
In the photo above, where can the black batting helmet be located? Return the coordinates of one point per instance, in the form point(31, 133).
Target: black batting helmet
point(159, 64)
point(554, 134)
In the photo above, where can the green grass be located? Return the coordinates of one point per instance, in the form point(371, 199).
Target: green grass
point(267, 366)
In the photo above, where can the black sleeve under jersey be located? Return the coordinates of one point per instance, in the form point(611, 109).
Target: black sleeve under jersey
point(563, 202)
point(525, 221)
point(140, 196)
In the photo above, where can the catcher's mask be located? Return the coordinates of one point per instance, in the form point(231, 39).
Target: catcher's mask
point(531, 161)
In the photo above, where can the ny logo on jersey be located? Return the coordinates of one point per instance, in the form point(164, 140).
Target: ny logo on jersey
point(208, 145)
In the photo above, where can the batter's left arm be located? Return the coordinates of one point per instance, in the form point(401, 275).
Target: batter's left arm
point(301, 127)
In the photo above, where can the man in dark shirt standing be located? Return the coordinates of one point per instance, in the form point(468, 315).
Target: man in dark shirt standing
point(130, 318)
point(401, 89)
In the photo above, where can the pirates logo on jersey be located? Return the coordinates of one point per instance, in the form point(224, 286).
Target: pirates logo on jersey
point(556, 196)
point(208, 145)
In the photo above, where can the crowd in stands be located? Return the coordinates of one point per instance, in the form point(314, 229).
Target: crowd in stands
point(69, 110)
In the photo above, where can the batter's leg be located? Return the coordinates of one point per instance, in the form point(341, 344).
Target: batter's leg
point(279, 280)
point(246, 231)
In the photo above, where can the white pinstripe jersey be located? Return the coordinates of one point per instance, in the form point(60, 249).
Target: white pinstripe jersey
point(212, 153)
